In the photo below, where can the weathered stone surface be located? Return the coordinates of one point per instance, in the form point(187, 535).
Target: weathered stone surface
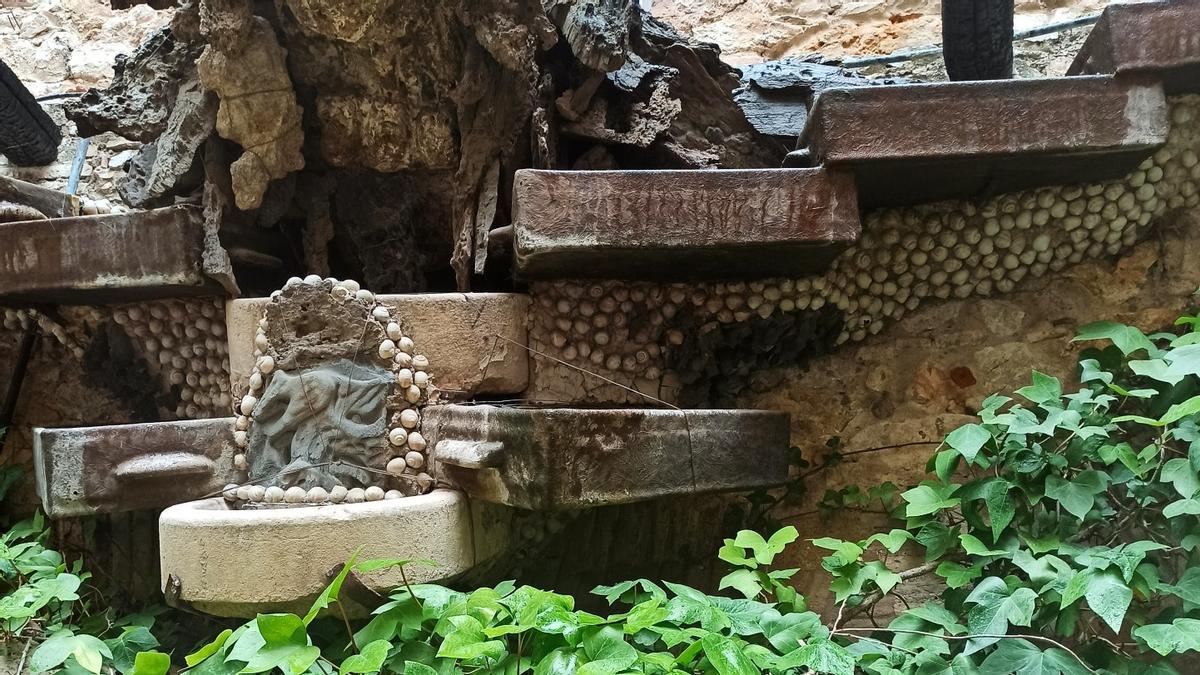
point(681, 224)
point(258, 110)
point(167, 166)
point(88, 470)
point(227, 562)
point(456, 331)
point(141, 97)
point(119, 257)
point(1159, 39)
point(909, 144)
point(563, 458)
point(776, 95)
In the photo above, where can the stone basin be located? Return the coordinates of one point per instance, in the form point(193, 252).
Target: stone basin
point(238, 563)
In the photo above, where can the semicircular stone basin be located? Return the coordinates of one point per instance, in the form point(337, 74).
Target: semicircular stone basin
point(239, 562)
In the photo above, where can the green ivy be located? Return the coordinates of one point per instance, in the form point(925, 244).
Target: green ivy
point(1056, 536)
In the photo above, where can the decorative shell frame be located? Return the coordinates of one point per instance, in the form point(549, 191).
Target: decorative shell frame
point(407, 447)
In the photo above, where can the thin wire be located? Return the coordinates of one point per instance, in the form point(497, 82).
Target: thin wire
point(585, 371)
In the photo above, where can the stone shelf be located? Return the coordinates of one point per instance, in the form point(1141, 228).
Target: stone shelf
point(681, 225)
point(563, 458)
point(89, 470)
point(455, 330)
point(227, 562)
point(1156, 39)
point(111, 258)
point(910, 144)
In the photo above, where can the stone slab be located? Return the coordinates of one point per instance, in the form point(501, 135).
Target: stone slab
point(88, 470)
point(242, 562)
point(681, 225)
point(566, 458)
point(111, 258)
point(916, 143)
point(455, 330)
point(1158, 39)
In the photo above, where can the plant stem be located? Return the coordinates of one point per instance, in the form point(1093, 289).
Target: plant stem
point(1036, 638)
point(876, 596)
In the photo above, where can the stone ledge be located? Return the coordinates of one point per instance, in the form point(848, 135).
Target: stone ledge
point(455, 330)
point(911, 144)
point(681, 225)
point(111, 258)
point(88, 470)
point(229, 563)
point(563, 458)
point(1160, 39)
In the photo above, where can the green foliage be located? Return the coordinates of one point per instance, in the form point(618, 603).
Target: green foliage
point(1056, 536)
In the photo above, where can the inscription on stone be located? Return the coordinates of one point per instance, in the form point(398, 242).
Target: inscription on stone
point(685, 224)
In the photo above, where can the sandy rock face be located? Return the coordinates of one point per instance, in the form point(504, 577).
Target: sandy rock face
point(755, 31)
point(258, 110)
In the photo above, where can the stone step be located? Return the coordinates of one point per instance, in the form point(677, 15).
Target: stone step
point(917, 143)
point(107, 469)
point(111, 258)
point(228, 562)
point(681, 225)
point(565, 458)
point(1156, 39)
point(456, 331)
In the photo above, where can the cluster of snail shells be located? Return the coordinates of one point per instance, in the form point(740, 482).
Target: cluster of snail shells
point(183, 342)
point(406, 443)
point(952, 249)
point(69, 336)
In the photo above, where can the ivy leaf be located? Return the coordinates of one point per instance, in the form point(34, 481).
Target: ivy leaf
point(727, 656)
point(1021, 657)
point(821, 655)
point(151, 663)
point(957, 575)
point(1188, 586)
point(785, 632)
point(466, 640)
point(1109, 597)
point(937, 538)
point(208, 649)
point(1183, 507)
point(765, 550)
point(1078, 495)
point(968, 440)
point(892, 541)
point(1180, 635)
point(1126, 338)
point(973, 546)
point(995, 607)
point(744, 581)
point(330, 593)
point(368, 660)
point(1043, 390)
point(58, 648)
point(926, 499)
point(607, 652)
point(126, 646)
point(558, 662)
point(415, 668)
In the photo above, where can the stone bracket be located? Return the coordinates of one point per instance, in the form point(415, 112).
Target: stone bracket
point(108, 469)
point(681, 225)
point(919, 143)
point(1160, 39)
point(111, 258)
point(564, 458)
